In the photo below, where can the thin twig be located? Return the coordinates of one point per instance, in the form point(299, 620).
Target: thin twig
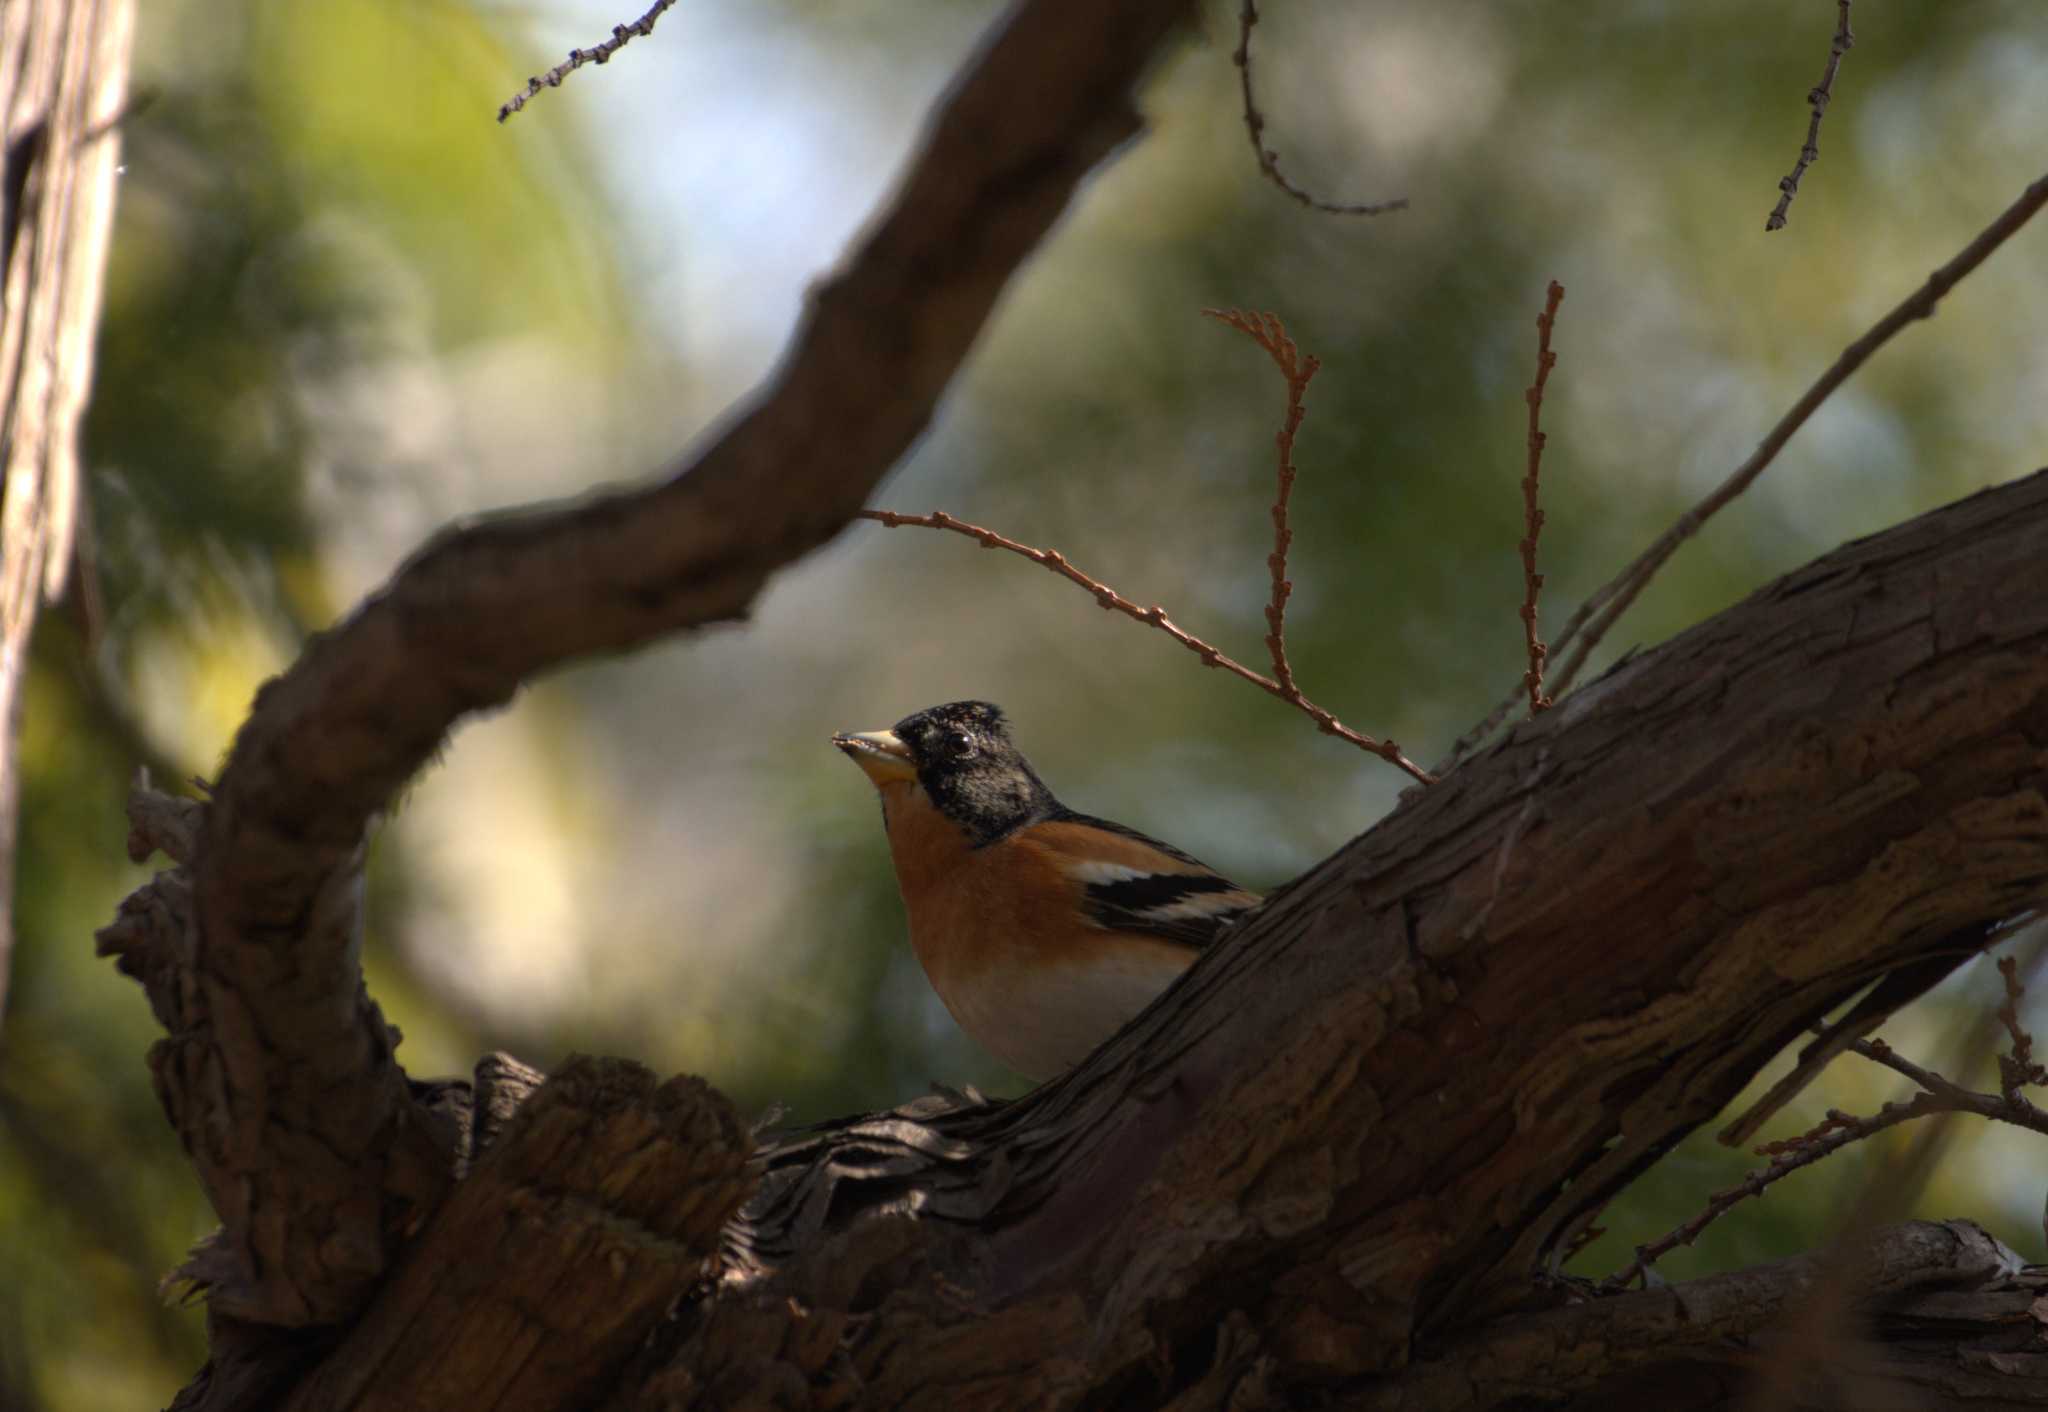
point(1890, 1190)
point(1584, 630)
point(1817, 98)
point(1834, 1132)
point(2016, 1070)
point(1109, 598)
point(1614, 599)
point(1878, 1052)
point(597, 54)
point(1938, 1095)
point(1532, 512)
point(1584, 1237)
point(1255, 127)
point(1267, 331)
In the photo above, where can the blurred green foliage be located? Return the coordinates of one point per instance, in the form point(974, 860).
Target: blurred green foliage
point(345, 305)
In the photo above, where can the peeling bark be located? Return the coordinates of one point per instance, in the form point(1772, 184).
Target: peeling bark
point(556, 1256)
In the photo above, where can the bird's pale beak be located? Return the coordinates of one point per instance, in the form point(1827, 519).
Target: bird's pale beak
point(882, 755)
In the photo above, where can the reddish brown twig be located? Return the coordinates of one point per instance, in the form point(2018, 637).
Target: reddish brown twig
point(1614, 599)
point(596, 54)
point(1255, 127)
point(2016, 1070)
point(1878, 1052)
point(1267, 331)
point(1816, 98)
point(1834, 1132)
point(1298, 369)
point(1532, 513)
point(1110, 599)
point(1593, 619)
point(1938, 1096)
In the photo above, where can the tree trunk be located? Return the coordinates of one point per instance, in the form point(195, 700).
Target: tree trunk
point(63, 80)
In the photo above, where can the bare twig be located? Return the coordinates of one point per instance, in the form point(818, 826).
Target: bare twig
point(1267, 331)
point(1298, 369)
point(1255, 128)
point(1938, 1096)
point(1893, 1187)
point(1834, 1132)
point(1581, 1238)
point(1614, 599)
point(597, 54)
point(1532, 512)
point(2016, 1070)
point(1878, 1052)
point(1109, 598)
point(1817, 98)
point(1598, 614)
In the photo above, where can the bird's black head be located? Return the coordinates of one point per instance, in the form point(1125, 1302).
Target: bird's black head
point(962, 756)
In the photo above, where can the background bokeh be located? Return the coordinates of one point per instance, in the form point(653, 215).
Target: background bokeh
point(345, 305)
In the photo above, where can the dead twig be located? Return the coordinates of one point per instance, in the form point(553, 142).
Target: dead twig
point(1878, 1052)
point(1298, 369)
point(1255, 127)
point(1816, 98)
point(1893, 1187)
point(1593, 619)
point(1532, 512)
point(597, 54)
point(1834, 1132)
point(1614, 599)
point(1939, 1096)
point(2017, 1069)
point(1110, 599)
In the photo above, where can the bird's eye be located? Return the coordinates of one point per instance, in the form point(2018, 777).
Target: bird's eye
point(956, 745)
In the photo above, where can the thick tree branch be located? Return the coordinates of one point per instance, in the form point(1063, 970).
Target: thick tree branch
point(279, 1072)
point(1362, 1123)
point(548, 1265)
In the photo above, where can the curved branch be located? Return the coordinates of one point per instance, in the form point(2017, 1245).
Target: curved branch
point(279, 1074)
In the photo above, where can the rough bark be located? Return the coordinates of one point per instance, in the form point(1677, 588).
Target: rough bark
point(553, 1259)
point(63, 79)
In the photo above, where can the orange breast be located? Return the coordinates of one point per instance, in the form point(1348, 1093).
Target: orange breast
point(1002, 937)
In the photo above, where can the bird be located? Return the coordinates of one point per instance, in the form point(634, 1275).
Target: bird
point(1043, 930)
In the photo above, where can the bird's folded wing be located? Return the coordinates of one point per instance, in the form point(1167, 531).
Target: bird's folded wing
point(1133, 883)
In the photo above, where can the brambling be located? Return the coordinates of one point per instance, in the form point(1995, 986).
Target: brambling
point(1042, 930)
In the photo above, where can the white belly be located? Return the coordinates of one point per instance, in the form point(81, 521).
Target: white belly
point(1042, 1020)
